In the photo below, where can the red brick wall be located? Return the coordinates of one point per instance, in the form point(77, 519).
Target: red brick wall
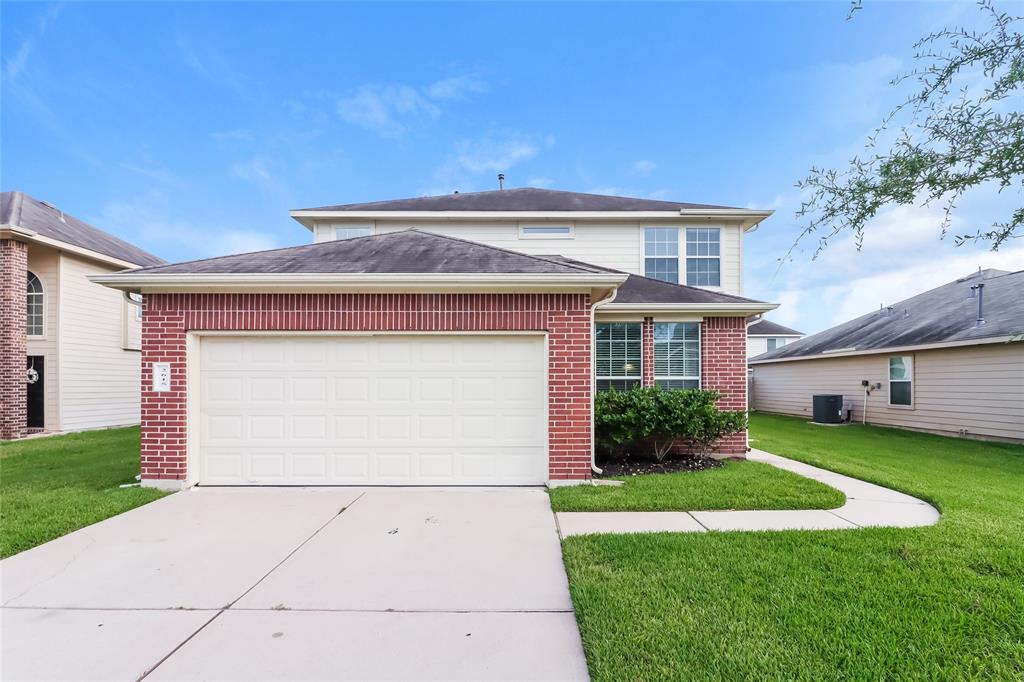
point(13, 342)
point(565, 317)
point(723, 350)
point(647, 361)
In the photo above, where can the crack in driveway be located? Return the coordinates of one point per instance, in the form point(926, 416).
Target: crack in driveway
point(256, 584)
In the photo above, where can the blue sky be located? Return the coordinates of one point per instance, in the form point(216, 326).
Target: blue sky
point(191, 129)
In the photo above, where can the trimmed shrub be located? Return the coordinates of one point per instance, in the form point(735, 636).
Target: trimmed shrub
point(658, 420)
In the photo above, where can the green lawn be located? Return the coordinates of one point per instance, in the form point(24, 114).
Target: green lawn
point(944, 602)
point(736, 485)
point(52, 486)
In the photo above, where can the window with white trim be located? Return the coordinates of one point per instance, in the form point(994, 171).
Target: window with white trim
point(901, 380)
point(775, 342)
point(677, 355)
point(35, 306)
point(350, 232)
point(136, 309)
point(703, 256)
point(661, 253)
point(546, 232)
point(618, 352)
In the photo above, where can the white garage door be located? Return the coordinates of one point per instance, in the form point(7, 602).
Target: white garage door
point(377, 410)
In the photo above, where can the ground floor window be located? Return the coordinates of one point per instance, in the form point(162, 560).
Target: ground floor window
point(677, 354)
point(901, 380)
point(618, 350)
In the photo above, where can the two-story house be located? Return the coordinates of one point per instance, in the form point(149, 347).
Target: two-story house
point(444, 340)
point(764, 336)
point(69, 348)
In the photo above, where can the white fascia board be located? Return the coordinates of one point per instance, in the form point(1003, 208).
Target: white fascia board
point(325, 282)
point(748, 217)
point(32, 237)
point(653, 309)
point(775, 336)
point(888, 351)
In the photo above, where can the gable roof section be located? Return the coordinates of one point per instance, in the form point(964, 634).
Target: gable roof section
point(405, 252)
point(18, 209)
point(521, 199)
point(769, 328)
point(944, 315)
point(638, 290)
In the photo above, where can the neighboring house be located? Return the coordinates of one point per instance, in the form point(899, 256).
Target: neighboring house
point(764, 336)
point(440, 340)
point(80, 341)
point(949, 361)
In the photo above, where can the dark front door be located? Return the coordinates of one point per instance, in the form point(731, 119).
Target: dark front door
point(35, 394)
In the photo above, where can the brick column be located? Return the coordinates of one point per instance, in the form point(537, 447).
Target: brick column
point(723, 358)
point(13, 342)
point(647, 345)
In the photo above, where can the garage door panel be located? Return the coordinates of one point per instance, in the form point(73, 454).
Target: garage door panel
point(433, 410)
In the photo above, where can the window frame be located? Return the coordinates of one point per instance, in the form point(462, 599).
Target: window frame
point(649, 272)
point(635, 380)
point(675, 377)
point(525, 231)
point(41, 294)
point(696, 258)
point(337, 228)
point(772, 343)
point(889, 359)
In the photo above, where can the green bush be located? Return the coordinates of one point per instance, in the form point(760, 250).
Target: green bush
point(659, 420)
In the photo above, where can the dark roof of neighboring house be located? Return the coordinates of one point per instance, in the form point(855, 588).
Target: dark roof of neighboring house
point(769, 328)
point(521, 199)
point(945, 314)
point(21, 210)
point(408, 251)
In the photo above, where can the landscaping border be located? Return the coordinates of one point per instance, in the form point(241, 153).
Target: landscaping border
point(867, 505)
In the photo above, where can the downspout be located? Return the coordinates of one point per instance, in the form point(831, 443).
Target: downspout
point(593, 376)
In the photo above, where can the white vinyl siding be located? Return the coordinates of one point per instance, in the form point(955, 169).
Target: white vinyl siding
point(610, 244)
point(677, 355)
point(618, 352)
point(384, 409)
point(100, 379)
point(977, 388)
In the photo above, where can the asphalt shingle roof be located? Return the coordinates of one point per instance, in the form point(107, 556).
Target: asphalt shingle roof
point(639, 289)
point(769, 328)
point(407, 252)
point(945, 314)
point(521, 199)
point(19, 209)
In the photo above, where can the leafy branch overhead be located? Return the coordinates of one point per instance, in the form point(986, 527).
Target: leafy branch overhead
point(959, 130)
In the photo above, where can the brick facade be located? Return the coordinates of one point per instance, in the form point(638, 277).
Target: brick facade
point(169, 317)
point(13, 341)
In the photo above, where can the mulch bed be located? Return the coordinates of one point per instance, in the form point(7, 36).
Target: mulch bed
point(635, 467)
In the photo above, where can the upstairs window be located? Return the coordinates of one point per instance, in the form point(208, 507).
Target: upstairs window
point(350, 232)
point(901, 380)
point(661, 253)
point(618, 352)
point(34, 318)
point(677, 355)
point(774, 343)
point(703, 256)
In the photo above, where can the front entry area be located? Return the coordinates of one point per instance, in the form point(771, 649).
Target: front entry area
point(371, 409)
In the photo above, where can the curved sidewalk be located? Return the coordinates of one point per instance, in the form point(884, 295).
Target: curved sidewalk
point(866, 505)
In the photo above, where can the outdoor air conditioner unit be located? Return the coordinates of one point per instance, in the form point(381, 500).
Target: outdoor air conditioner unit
point(828, 408)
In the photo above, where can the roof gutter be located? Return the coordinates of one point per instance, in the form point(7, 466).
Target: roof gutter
point(340, 282)
point(24, 234)
point(828, 355)
point(749, 218)
point(730, 309)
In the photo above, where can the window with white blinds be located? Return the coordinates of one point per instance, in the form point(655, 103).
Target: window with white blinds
point(618, 353)
point(677, 355)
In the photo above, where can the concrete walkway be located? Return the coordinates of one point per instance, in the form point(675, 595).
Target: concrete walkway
point(866, 505)
point(298, 583)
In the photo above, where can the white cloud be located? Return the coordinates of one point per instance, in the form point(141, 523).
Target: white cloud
point(540, 181)
point(391, 110)
point(16, 64)
point(210, 63)
point(642, 168)
point(495, 154)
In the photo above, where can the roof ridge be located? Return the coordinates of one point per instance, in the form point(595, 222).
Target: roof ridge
point(497, 248)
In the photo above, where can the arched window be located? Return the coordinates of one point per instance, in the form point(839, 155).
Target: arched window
point(34, 321)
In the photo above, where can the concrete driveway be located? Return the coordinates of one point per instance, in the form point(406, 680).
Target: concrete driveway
point(299, 583)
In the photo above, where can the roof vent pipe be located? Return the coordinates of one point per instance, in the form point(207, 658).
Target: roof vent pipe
point(981, 311)
point(501, 181)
